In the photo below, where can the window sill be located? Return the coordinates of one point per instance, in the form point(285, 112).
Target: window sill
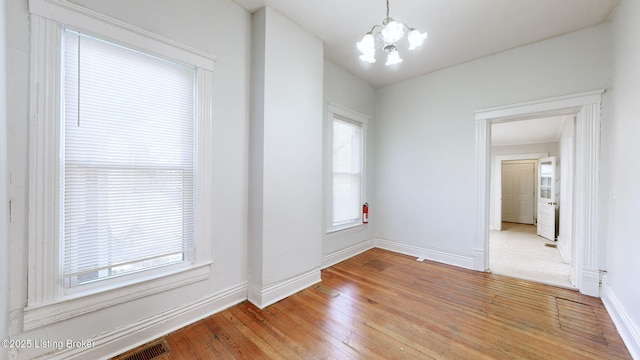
point(36, 316)
point(347, 229)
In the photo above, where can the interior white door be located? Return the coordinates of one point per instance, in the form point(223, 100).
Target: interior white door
point(547, 197)
point(517, 192)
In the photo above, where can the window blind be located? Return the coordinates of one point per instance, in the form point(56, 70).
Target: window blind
point(128, 155)
point(347, 172)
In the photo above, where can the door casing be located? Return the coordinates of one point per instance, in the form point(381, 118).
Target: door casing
point(585, 222)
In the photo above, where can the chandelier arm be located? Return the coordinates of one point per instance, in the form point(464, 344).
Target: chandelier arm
point(374, 28)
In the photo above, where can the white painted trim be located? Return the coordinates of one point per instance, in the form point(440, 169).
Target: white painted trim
point(120, 340)
point(483, 190)
point(340, 110)
point(204, 170)
point(357, 119)
point(46, 301)
point(628, 330)
point(587, 165)
point(44, 173)
point(77, 16)
point(354, 228)
point(344, 254)
point(440, 256)
point(263, 297)
point(480, 258)
point(40, 315)
point(563, 251)
point(590, 282)
point(558, 105)
point(586, 200)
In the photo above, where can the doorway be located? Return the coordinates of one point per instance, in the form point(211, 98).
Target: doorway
point(585, 220)
point(524, 243)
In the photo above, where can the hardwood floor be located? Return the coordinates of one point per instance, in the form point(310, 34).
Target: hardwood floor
point(383, 305)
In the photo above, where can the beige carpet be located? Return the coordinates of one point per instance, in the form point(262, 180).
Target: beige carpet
point(518, 252)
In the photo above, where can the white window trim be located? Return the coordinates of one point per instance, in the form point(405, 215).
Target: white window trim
point(360, 120)
point(107, 28)
point(47, 302)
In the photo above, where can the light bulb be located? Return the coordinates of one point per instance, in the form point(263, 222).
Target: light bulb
point(416, 39)
point(392, 32)
point(368, 57)
point(366, 45)
point(393, 58)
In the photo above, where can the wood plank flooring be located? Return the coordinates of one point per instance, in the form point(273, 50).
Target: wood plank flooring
point(383, 305)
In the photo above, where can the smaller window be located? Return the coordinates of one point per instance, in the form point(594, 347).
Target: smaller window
point(347, 169)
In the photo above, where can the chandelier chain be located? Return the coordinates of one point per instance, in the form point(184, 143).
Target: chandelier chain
point(387, 9)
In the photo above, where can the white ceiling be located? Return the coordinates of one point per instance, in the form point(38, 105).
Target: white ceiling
point(532, 131)
point(459, 30)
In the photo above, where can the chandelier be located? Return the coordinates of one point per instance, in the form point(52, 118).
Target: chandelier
point(387, 36)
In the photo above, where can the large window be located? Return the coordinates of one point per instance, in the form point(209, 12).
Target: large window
point(347, 168)
point(120, 165)
point(128, 154)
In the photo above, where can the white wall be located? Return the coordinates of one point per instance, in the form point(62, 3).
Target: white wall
point(218, 27)
point(343, 88)
point(4, 186)
point(550, 148)
point(622, 287)
point(286, 150)
point(17, 116)
point(425, 170)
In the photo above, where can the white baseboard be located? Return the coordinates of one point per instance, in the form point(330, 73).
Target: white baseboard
point(590, 282)
point(115, 342)
point(466, 262)
point(629, 332)
point(263, 297)
point(479, 260)
point(344, 254)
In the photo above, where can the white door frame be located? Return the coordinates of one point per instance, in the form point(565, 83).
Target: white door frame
point(585, 218)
